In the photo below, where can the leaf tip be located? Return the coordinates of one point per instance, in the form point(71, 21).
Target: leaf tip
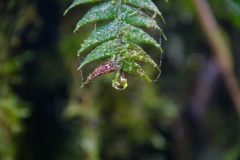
point(163, 19)
point(84, 83)
point(79, 68)
point(65, 13)
point(160, 48)
point(75, 30)
point(78, 53)
point(158, 69)
point(165, 38)
point(160, 14)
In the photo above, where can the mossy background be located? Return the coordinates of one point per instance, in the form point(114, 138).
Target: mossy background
point(45, 115)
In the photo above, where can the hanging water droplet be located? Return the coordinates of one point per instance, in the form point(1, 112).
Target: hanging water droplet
point(120, 82)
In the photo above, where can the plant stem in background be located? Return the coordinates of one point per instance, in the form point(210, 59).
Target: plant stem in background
point(220, 49)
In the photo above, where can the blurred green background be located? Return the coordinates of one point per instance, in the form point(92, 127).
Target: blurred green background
point(187, 114)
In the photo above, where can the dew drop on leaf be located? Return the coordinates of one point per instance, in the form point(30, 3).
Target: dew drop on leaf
point(120, 82)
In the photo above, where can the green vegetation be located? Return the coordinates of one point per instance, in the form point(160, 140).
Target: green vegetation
point(119, 33)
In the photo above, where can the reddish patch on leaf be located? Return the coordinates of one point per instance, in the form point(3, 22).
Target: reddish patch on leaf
point(104, 68)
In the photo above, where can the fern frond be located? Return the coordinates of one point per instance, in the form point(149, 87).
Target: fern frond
point(115, 39)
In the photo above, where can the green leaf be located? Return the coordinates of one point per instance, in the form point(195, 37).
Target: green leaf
point(146, 4)
point(105, 50)
point(103, 11)
point(101, 34)
point(133, 51)
point(78, 2)
point(137, 34)
point(132, 67)
point(110, 31)
point(137, 17)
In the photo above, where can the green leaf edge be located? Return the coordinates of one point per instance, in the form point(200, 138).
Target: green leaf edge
point(78, 2)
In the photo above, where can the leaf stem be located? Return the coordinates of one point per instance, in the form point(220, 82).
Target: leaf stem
point(220, 48)
point(119, 57)
point(119, 3)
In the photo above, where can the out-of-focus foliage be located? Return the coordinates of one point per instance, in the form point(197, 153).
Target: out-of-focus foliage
point(11, 113)
point(118, 128)
point(227, 10)
point(12, 108)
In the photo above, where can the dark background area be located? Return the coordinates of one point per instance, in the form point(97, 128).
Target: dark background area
point(45, 115)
